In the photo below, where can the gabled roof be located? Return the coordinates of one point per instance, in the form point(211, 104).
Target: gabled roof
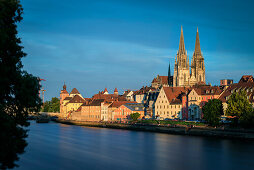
point(74, 91)
point(174, 93)
point(208, 90)
point(96, 102)
point(67, 98)
point(247, 86)
point(246, 78)
point(77, 99)
point(143, 90)
point(161, 79)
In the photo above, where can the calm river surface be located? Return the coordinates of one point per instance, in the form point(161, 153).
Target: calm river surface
point(58, 146)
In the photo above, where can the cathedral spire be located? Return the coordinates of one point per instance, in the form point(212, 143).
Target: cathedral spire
point(181, 44)
point(169, 74)
point(197, 45)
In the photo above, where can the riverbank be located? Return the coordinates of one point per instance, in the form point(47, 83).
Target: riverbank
point(178, 130)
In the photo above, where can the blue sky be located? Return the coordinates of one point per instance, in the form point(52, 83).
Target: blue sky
point(93, 44)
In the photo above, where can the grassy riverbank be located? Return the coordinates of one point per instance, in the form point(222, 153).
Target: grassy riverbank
point(170, 129)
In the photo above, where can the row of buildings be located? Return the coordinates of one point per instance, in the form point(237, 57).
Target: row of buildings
point(180, 96)
point(164, 102)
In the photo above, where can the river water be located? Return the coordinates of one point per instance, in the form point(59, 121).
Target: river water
point(58, 146)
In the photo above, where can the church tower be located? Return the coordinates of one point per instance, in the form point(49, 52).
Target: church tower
point(181, 71)
point(197, 64)
point(63, 95)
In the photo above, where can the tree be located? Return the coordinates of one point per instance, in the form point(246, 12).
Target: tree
point(52, 106)
point(239, 106)
point(18, 89)
point(247, 120)
point(134, 116)
point(212, 111)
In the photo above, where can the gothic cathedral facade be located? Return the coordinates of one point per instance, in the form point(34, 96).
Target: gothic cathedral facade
point(184, 74)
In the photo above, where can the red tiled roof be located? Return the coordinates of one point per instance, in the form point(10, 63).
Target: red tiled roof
point(67, 98)
point(174, 93)
point(208, 90)
point(115, 90)
point(246, 78)
point(96, 102)
point(161, 79)
point(143, 90)
point(77, 99)
point(74, 91)
point(247, 86)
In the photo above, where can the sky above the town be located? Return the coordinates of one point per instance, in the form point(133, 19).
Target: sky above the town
point(93, 44)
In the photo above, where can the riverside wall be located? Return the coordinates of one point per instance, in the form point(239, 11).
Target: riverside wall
point(178, 130)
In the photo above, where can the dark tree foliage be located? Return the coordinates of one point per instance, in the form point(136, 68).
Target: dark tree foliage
point(134, 116)
point(51, 106)
point(212, 111)
point(18, 89)
point(240, 107)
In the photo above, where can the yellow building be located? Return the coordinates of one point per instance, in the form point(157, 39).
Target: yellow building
point(70, 102)
point(73, 104)
point(168, 104)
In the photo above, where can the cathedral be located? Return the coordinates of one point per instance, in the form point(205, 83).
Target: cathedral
point(186, 75)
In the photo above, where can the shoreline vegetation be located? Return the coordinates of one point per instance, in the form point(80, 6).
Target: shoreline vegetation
point(189, 129)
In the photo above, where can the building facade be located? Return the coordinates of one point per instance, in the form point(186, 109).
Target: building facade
point(182, 76)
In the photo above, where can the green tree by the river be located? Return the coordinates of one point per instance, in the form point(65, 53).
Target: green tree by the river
point(134, 116)
point(51, 106)
point(240, 108)
point(212, 111)
point(18, 89)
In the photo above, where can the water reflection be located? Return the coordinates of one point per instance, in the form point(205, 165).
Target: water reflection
point(57, 146)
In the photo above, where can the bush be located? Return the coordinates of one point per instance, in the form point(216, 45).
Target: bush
point(134, 116)
point(212, 111)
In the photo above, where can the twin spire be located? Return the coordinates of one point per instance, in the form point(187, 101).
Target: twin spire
point(197, 45)
point(182, 46)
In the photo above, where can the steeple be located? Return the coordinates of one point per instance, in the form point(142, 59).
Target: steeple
point(197, 45)
point(169, 74)
point(64, 86)
point(181, 44)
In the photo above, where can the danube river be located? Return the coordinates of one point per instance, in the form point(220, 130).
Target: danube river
point(58, 146)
